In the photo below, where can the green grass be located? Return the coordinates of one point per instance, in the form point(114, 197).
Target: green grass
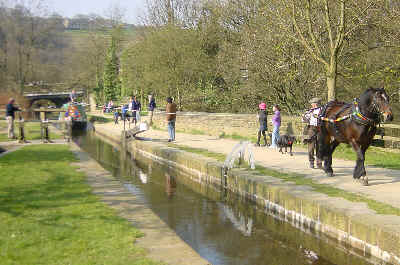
point(49, 215)
point(32, 132)
point(237, 137)
point(218, 156)
point(99, 119)
point(374, 156)
point(298, 179)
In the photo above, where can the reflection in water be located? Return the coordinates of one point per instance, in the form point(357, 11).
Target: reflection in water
point(131, 188)
point(170, 185)
point(222, 227)
point(241, 222)
point(143, 177)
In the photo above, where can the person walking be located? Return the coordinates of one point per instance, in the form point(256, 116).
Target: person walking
point(124, 111)
point(152, 106)
point(262, 118)
point(311, 117)
point(171, 118)
point(73, 96)
point(116, 115)
point(276, 122)
point(136, 107)
point(10, 116)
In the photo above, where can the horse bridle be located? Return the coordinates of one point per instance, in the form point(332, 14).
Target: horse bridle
point(360, 117)
point(373, 108)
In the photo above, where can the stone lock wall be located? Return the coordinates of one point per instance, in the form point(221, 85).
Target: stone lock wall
point(347, 223)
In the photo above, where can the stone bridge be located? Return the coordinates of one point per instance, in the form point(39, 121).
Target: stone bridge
point(58, 98)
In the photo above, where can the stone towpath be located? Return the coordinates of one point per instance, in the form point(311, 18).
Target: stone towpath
point(384, 184)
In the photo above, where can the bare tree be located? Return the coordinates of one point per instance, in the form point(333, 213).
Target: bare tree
point(323, 28)
point(183, 13)
point(27, 31)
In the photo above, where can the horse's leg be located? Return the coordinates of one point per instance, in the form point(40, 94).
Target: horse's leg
point(323, 150)
point(322, 143)
point(359, 170)
point(363, 172)
point(328, 160)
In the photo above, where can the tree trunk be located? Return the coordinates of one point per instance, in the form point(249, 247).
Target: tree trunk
point(179, 100)
point(331, 76)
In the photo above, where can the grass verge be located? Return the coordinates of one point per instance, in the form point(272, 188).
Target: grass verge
point(374, 156)
point(298, 179)
point(49, 215)
point(32, 132)
point(99, 119)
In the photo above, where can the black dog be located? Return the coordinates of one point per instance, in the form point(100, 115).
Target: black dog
point(286, 141)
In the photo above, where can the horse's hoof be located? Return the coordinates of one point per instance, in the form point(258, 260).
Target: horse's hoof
point(364, 180)
point(329, 174)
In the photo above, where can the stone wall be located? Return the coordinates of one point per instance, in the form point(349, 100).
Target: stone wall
point(218, 124)
point(246, 125)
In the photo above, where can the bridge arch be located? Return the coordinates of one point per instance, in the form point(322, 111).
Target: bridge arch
point(58, 98)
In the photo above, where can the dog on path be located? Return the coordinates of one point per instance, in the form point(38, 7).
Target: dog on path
point(287, 142)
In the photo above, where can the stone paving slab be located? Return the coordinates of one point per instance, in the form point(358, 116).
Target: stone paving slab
point(384, 183)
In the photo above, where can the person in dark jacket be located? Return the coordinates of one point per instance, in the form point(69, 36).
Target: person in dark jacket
point(262, 118)
point(152, 106)
point(10, 116)
point(171, 118)
point(136, 108)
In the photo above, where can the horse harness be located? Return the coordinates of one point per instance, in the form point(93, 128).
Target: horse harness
point(355, 115)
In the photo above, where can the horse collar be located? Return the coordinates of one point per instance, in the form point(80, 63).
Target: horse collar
point(361, 118)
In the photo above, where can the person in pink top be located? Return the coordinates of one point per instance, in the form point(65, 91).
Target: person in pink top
point(276, 122)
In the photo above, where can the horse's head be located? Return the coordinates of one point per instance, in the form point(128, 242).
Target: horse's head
point(380, 104)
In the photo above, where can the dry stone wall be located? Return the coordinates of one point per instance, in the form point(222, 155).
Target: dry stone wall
point(246, 125)
point(218, 124)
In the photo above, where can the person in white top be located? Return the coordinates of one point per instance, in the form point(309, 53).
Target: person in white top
point(311, 117)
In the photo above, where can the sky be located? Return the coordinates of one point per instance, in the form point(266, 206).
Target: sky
point(69, 8)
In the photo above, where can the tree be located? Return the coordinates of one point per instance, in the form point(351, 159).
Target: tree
point(30, 44)
point(324, 28)
point(111, 83)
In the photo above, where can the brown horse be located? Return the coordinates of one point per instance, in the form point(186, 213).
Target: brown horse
point(352, 123)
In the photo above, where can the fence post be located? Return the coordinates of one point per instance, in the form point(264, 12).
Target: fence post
point(68, 130)
point(21, 125)
point(45, 134)
point(42, 114)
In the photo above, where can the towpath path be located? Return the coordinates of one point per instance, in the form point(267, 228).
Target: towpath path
point(384, 184)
